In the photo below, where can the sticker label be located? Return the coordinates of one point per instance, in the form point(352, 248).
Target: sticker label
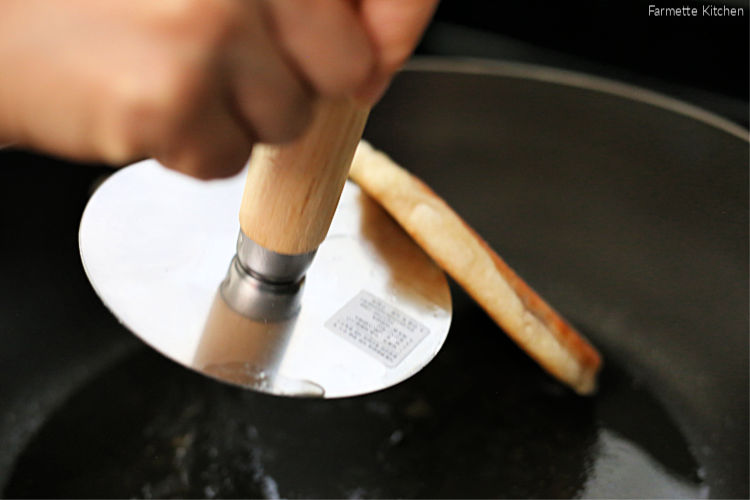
point(377, 328)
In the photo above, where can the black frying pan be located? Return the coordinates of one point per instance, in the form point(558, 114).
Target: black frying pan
point(628, 211)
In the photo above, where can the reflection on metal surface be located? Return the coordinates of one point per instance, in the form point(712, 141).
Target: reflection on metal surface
point(240, 350)
point(249, 376)
point(156, 246)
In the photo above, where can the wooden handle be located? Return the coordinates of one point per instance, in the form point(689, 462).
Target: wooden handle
point(292, 190)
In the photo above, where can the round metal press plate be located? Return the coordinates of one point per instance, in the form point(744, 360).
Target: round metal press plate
point(375, 308)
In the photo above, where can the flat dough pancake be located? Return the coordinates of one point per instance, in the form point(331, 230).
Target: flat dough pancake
point(467, 258)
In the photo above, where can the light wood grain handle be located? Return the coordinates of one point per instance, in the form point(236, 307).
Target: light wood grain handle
point(292, 190)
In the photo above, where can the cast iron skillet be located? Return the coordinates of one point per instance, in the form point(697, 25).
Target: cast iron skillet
point(628, 211)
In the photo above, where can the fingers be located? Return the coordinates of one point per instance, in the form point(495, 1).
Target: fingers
point(271, 96)
point(275, 58)
point(394, 27)
point(269, 61)
point(213, 144)
point(192, 82)
point(235, 87)
point(327, 42)
point(217, 83)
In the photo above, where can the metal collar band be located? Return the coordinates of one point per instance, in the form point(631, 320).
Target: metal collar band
point(255, 298)
point(270, 266)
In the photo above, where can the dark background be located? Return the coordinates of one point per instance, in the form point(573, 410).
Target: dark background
point(701, 60)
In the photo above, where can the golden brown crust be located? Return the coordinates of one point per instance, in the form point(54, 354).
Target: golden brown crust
point(470, 261)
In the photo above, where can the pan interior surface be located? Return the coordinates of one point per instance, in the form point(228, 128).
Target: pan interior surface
point(631, 218)
point(452, 431)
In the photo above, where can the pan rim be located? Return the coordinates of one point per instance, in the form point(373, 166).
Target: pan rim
point(576, 79)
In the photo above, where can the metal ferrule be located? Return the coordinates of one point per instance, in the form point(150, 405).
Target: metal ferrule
point(262, 284)
point(258, 299)
point(270, 266)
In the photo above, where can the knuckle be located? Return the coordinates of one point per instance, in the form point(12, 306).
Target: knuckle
point(172, 94)
point(179, 87)
point(146, 112)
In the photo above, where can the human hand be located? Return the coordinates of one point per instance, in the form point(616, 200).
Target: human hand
point(193, 83)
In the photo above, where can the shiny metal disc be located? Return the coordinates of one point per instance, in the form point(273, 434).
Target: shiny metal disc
point(156, 246)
